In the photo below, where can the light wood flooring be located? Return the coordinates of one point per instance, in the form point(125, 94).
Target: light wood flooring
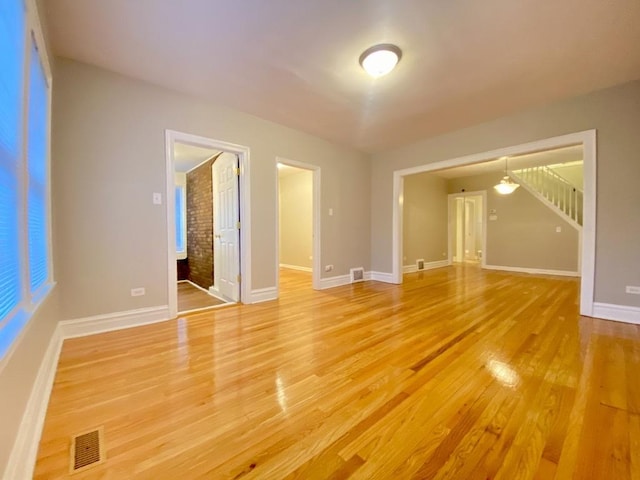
point(192, 298)
point(459, 373)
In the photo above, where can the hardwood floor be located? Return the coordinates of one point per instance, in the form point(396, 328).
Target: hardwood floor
point(459, 373)
point(192, 298)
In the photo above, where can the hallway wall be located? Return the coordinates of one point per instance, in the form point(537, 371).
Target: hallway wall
point(200, 225)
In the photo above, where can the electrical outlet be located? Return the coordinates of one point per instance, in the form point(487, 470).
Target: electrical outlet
point(137, 292)
point(635, 290)
point(157, 199)
point(328, 268)
point(558, 229)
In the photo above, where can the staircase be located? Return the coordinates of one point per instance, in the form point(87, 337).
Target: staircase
point(553, 190)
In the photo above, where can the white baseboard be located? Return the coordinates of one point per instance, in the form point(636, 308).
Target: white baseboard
point(619, 313)
point(263, 295)
point(533, 271)
point(22, 460)
point(336, 281)
point(194, 285)
point(382, 277)
point(296, 267)
point(427, 266)
point(113, 321)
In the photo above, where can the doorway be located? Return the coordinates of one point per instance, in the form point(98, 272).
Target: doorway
point(194, 227)
point(467, 228)
point(298, 243)
point(207, 204)
point(587, 139)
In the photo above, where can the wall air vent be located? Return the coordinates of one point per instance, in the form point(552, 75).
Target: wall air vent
point(357, 275)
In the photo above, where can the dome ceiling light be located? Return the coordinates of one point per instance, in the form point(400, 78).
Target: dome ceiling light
point(380, 59)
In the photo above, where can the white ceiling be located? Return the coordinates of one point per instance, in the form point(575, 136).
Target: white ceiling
point(296, 62)
point(558, 156)
point(187, 156)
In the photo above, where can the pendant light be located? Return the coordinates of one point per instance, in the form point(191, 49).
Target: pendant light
point(506, 185)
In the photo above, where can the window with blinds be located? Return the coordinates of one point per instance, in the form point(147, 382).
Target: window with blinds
point(37, 173)
point(24, 175)
point(181, 222)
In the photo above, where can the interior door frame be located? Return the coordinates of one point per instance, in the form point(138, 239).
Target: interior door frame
point(586, 138)
point(450, 236)
point(243, 153)
point(317, 244)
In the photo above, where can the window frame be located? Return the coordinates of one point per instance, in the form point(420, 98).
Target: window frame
point(181, 183)
point(19, 318)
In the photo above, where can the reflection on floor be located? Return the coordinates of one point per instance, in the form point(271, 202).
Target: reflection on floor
point(192, 298)
point(458, 373)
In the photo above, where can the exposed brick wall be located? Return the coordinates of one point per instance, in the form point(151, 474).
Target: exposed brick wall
point(200, 225)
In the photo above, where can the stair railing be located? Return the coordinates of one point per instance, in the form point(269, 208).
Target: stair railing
point(553, 188)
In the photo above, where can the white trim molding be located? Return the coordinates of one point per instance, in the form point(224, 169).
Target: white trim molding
point(81, 327)
point(337, 281)
point(22, 460)
point(586, 138)
point(427, 266)
point(296, 267)
point(618, 313)
point(382, 277)
point(533, 271)
point(212, 292)
point(263, 295)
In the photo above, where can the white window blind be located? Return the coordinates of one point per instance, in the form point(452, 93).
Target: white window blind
point(37, 173)
point(12, 28)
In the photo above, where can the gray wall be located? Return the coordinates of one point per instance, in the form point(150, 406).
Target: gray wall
point(524, 234)
point(425, 218)
point(296, 219)
point(109, 149)
point(573, 174)
point(614, 112)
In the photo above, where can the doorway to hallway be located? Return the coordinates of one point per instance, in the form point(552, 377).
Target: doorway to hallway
point(467, 228)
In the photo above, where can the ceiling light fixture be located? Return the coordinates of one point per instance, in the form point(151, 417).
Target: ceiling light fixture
point(506, 185)
point(380, 59)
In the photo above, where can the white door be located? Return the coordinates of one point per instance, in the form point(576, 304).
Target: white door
point(226, 227)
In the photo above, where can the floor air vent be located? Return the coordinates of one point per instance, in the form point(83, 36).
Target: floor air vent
point(87, 450)
point(420, 264)
point(357, 275)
